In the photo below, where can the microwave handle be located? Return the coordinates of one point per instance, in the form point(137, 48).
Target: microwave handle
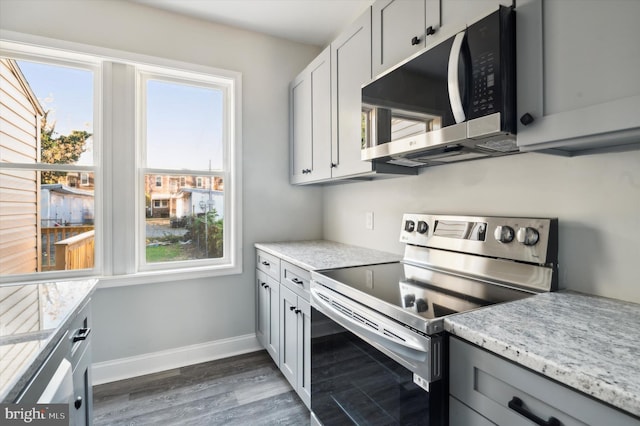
point(455, 97)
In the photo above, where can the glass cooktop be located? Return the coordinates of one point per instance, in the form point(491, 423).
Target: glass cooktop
point(422, 292)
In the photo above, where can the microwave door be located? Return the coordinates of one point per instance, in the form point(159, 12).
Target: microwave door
point(410, 99)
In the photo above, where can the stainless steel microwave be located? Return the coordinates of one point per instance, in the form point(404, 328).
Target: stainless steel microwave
point(454, 101)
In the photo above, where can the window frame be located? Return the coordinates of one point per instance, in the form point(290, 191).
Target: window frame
point(116, 258)
point(77, 61)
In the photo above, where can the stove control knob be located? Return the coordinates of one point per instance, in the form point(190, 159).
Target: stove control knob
point(528, 236)
point(423, 227)
point(409, 300)
point(421, 305)
point(409, 226)
point(503, 234)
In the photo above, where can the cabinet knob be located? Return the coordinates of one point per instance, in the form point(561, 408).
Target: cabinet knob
point(297, 311)
point(526, 119)
point(334, 165)
point(78, 402)
point(415, 40)
point(430, 30)
point(291, 308)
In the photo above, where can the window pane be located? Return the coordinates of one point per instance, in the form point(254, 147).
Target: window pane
point(46, 217)
point(184, 126)
point(61, 101)
point(184, 217)
point(45, 226)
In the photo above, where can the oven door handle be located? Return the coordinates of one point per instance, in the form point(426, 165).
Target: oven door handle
point(378, 329)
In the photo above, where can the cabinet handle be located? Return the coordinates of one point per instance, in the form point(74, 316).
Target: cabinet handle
point(265, 263)
point(334, 165)
point(430, 30)
point(517, 405)
point(415, 40)
point(82, 334)
point(297, 311)
point(266, 286)
point(263, 284)
point(291, 308)
point(78, 403)
point(296, 281)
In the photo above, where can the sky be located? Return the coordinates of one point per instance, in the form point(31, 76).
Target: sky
point(184, 123)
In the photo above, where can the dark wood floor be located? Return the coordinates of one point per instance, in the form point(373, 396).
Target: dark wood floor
point(242, 390)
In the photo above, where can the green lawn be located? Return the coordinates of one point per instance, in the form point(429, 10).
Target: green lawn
point(168, 253)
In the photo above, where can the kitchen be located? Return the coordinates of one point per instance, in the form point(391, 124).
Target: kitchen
point(149, 326)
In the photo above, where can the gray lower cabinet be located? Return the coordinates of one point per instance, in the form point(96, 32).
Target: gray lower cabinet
point(81, 413)
point(67, 368)
point(486, 389)
point(267, 303)
point(283, 319)
point(295, 329)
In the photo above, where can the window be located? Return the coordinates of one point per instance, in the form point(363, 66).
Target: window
point(184, 129)
point(46, 154)
point(176, 133)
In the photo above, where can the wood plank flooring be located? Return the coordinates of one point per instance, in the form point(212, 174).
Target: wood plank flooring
point(242, 390)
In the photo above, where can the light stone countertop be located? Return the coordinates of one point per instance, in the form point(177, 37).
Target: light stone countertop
point(320, 254)
point(589, 343)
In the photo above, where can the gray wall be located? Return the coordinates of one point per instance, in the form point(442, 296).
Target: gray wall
point(141, 319)
point(596, 199)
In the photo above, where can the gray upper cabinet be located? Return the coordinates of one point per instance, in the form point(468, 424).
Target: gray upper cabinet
point(462, 12)
point(578, 76)
point(399, 29)
point(351, 63)
point(310, 121)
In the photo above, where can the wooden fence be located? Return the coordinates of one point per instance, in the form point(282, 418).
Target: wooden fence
point(68, 247)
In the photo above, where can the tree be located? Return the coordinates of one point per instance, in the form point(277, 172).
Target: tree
point(59, 149)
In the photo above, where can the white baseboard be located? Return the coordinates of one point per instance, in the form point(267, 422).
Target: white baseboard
point(155, 362)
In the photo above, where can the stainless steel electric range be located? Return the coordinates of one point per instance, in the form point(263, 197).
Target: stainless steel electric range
point(378, 347)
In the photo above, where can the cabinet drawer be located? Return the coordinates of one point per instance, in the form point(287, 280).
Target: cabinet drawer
point(268, 263)
point(296, 279)
point(487, 384)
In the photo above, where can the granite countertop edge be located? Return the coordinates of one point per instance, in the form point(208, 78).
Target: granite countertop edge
point(603, 387)
point(52, 339)
point(325, 254)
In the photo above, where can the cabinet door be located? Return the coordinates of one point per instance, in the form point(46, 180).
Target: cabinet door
point(289, 335)
point(311, 122)
point(304, 352)
point(81, 410)
point(273, 343)
point(351, 62)
point(577, 73)
point(460, 13)
point(262, 308)
point(399, 29)
point(301, 145)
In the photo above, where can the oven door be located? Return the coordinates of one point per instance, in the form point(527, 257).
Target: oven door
point(353, 382)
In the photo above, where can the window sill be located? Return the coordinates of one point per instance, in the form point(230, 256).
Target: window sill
point(152, 277)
